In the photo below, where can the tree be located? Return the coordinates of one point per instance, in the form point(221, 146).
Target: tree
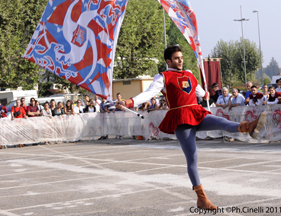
point(141, 43)
point(252, 57)
point(232, 66)
point(226, 51)
point(18, 20)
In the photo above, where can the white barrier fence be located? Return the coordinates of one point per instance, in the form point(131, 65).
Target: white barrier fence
point(77, 127)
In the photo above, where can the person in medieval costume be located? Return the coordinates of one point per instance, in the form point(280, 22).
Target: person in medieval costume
point(185, 117)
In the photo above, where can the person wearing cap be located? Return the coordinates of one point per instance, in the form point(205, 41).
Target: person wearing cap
point(217, 91)
point(185, 117)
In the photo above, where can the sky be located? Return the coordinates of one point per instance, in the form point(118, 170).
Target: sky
point(215, 21)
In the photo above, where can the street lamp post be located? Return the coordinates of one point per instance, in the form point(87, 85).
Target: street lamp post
point(256, 11)
point(241, 20)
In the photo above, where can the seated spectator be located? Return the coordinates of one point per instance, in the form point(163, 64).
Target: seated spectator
point(273, 97)
point(47, 112)
point(215, 88)
point(22, 100)
point(153, 105)
point(278, 83)
point(68, 108)
point(87, 100)
point(97, 103)
point(78, 108)
point(203, 102)
point(18, 111)
point(32, 109)
point(3, 111)
point(223, 99)
point(90, 108)
point(163, 104)
point(256, 97)
point(58, 111)
point(143, 106)
point(236, 99)
point(248, 93)
point(265, 92)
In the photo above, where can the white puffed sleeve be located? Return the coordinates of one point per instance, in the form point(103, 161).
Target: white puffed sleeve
point(200, 92)
point(155, 87)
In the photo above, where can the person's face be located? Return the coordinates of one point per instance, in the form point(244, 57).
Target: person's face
point(254, 91)
point(265, 88)
point(153, 101)
point(37, 103)
point(22, 101)
point(279, 83)
point(272, 91)
point(103, 100)
point(176, 61)
point(68, 103)
point(96, 97)
point(46, 106)
point(225, 92)
point(87, 98)
point(18, 103)
point(53, 103)
point(234, 93)
point(215, 88)
point(249, 85)
point(78, 103)
point(32, 102)
point(119, 97)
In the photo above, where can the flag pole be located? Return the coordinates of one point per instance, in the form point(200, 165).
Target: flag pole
point(165, 38)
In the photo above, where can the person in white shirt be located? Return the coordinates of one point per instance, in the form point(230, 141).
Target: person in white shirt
point(273, 97)
point(97, 102)
point(235, 99)
point(79, 108)
point(278, 83)
point(265, 92)
point(223, 99)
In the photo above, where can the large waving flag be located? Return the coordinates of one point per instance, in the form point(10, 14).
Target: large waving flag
point(184, 17)
point(76, 40)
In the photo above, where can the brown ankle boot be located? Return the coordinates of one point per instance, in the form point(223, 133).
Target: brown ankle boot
point(254, 127)
point(203, 201)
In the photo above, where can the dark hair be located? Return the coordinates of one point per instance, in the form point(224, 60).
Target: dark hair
point(272, 87)
point(277, 81)
point(52, 100)
point(68, 107)
point(32, 99)
point(117, 94)
point(170, 50)
point(22, 98)
point(253, 86)
point(46, 103)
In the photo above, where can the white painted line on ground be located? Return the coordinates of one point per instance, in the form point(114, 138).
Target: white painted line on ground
point(6, 213)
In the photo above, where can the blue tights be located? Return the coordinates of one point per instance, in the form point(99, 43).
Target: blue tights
point(186, 134)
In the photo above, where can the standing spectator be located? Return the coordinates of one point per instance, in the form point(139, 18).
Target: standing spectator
point(223, 99)
point(153, 105)
point(87, 100)
point(52, 106)
point(97, 102)
point(68, 108)
point(235, 99)
point(273, 97)
point(163, 104)
point(265, 92)
point(278, 83)
point(47, 112)
point(3, 111)
point(215, 88)
point(90, 108)
point(119, 98)
point(79, 108)
point(248, 93)
point(18, 111)
point(58, 111)
point(256, 97)
point(104, 107)
point(32, 109)
point(22, 100)
point(39, 107)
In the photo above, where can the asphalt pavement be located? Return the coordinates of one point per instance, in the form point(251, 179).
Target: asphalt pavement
point(133, 177)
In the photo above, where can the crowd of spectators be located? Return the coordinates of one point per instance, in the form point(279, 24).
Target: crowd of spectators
point(252, 97)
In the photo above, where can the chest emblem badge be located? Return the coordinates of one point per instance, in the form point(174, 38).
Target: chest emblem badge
point(185, 84)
